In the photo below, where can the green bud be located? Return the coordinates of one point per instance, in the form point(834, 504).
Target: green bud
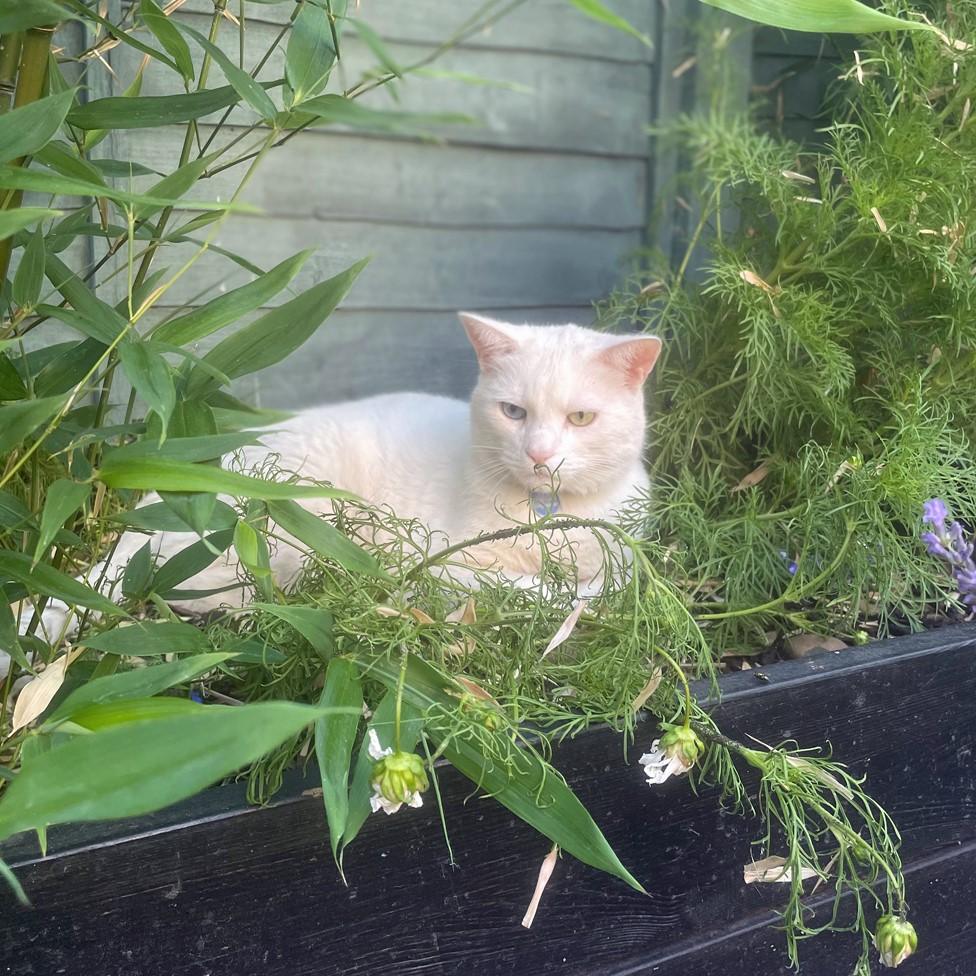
point(682, 743)
point(399, 776)
point(895, 939)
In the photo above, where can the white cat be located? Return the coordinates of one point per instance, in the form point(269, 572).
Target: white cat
point(555, 407)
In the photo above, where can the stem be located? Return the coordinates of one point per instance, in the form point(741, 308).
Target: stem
point(679, 671)
point(401, 680)
point(34, 55)
point(10, 46)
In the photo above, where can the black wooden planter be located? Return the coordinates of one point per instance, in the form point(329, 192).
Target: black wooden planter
point(211, 888)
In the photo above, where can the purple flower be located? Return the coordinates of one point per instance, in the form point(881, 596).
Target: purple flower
point(951, 545)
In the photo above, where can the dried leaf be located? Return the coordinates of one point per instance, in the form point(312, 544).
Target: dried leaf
point(754, 477)
point(772, 869)
point(822, 775)
point(463, 614)
point(567, 627)
point(879, 220)
point(545, 873)
point(37, 694)
point(800, 645)
point(420, 616)
point(645, 693)
point(799, 177)
point(751, 278)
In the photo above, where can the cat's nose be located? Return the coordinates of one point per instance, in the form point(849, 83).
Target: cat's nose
point(538, 457)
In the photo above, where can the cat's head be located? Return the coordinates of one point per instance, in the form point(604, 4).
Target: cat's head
point(559, 400)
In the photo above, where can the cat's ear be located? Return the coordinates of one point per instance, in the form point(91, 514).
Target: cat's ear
point(491, 339)
point(633, 358)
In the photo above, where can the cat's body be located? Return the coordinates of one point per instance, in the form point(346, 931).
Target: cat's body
point(555, 407)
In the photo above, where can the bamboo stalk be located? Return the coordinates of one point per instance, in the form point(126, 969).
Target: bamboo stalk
point(10, 45)
point(36, 50)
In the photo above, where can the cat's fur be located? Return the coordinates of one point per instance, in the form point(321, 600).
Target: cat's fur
point(463, 469)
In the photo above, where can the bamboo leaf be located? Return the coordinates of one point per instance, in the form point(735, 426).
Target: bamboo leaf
point(252, 551)
point(151, 377)
point(232, 306)
point(150, 111)
point(245, 86)
point(24, 130)
point(597, 11)
point(139, 683)
point(19, 15)
point(193, 508)
point(335, 735)
point(173, 186)
point(149, 638)
point(52, 582)
point(138, 572)
point(96, 718)
point(139, 767)
point(192, 560)
point(339, 110)
point(12, 221)
point(167, 35)
point(11, 385)
point(64, 498)
point(819, 16)
point(324, 538)
point(160, 517)
point(208, 447)
point(30, 272)
point(372, 40)
point(276, 334)
point(526, 784)
point(310, 53)
point(20, 419)
point(313, 623)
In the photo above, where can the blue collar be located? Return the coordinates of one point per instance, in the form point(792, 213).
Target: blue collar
point(543, 502)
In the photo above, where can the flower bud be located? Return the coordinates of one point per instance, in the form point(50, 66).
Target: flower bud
point(399, 776)
point(682, 745)
point(895, 939)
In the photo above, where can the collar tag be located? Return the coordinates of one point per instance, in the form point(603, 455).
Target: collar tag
point(543, 502)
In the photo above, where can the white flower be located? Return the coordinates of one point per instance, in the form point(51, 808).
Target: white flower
point(658, 766)
point(379, 802)
point(375, 750)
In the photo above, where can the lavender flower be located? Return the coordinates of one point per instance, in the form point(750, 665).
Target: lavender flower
point(950, 544)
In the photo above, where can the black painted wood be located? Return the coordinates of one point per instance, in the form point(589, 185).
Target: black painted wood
point(210, 888)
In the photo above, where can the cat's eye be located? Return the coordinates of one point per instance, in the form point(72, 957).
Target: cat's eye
point(513, 411)
point(581, 418)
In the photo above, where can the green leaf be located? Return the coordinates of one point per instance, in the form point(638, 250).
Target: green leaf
point(42, 181)
point(151, 376)
point(138, 572)
point(12, 221)
point(819, 16)
point(133, 769)
point(276, 334)
point(64, 498)
point(60, 157)
point(150, 111)
point(123, 169)
point(160, 517)
point(24, 130)
point(139, 683)
point(94, 136)
point(525, 784)
point(69, 367)
point(52, 582)
point(19, 15)
point(372, 40)
point(310, 54)
point(167, 35)
point(596, 10)
point(11, 385)
point(172, 187)
point(9, 638)
point(324, 538)
point(180, 448)
point(252, 550)
point(313, 623)
point(122, 35)
point(193, 508)
point(14, 514)
point(103, 321)
point(20, 419)
point(232, 306)
point(165, 475)
point(104, 330)
point(382, 722)
point(335, 735)
point(149, 638)
point(339, 110)
point(189, 561)
point(250, 90)
point(96, 718)
point(30, 272)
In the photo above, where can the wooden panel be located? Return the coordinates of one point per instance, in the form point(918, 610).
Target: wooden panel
point(420, 267)
point(539, 25)
point(574, 104)
point(331, 175)
point(258, 893)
